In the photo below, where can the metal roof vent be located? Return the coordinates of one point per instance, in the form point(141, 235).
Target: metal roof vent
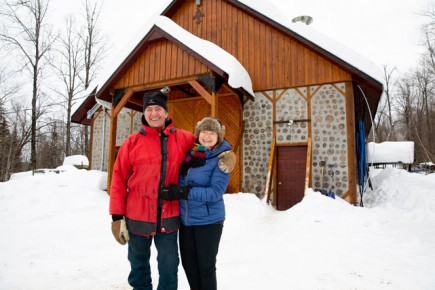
point(303, 18)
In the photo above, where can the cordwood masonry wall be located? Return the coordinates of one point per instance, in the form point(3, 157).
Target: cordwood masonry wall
point(325, 105)
point(128, 123)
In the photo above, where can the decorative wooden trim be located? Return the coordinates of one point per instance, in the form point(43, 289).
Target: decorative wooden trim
point(338, 89)
point(132, 114)
point(269, 171)
point(281, 94)
point(267, 96)
point(302, 94)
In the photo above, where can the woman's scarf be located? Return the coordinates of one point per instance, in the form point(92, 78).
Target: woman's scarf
point(195, 158)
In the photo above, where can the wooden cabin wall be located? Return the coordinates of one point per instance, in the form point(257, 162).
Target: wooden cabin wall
point(187, 112)
point(160, 61)
point(272, 59)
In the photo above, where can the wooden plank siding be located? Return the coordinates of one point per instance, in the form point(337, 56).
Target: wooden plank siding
point(160, 61)
point(229, 112)
point(273, 60)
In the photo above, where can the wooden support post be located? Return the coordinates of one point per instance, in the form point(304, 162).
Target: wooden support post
point(113, 126)
point(308, 166)
point(214, 105)
point(351, 145)
point(269, 171)
point(239, 137)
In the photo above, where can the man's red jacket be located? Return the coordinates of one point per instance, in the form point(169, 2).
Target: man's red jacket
point(143, 159)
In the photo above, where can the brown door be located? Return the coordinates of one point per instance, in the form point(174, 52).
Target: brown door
point(291, 163)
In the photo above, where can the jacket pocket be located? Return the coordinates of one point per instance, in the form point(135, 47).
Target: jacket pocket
point(208, 209)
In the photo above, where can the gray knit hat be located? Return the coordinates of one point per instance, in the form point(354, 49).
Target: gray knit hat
point(211, 124)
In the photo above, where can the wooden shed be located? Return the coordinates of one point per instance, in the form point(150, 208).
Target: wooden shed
point(292, 118)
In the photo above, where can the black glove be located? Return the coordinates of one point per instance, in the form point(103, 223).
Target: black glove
point(184, 192)
point(174, 192)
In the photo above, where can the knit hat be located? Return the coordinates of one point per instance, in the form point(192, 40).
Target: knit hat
point(211, 124)
point(155, 98)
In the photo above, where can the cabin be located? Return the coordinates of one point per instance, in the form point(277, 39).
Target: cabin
point(289, 96)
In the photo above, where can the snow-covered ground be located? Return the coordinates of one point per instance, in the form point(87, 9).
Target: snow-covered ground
point(55, 234)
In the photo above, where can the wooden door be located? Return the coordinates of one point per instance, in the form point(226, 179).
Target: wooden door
point(291, 163)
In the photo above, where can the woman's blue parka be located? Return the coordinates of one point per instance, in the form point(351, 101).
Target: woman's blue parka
point(206, 203)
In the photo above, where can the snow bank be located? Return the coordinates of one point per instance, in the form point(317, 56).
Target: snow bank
point(410, 193)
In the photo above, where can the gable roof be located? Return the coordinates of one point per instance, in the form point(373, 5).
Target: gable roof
point(238, 77)
point(360, 67)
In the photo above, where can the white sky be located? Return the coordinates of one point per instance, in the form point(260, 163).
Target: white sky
point(386, 32)
point(56, 232)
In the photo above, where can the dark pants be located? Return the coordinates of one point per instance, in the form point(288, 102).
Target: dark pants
point(199, 246)
point(139, 253)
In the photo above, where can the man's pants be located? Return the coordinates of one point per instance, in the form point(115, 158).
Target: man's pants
point(139, 253)
point(199, 246)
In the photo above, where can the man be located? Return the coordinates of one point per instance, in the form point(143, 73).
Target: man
point(144, 198)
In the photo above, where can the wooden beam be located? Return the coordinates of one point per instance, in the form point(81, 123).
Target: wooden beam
point(214, 105)
point(308, 166)
point(269, 171)
point(201, 91)
point(122, 103)
point(113, 128)
point(239, 137)
point(351, 145)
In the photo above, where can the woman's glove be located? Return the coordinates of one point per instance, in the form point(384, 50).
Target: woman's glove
point(227, 161)
point(120, 231)
point(174, 192)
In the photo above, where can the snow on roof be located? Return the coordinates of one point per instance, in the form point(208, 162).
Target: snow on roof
point(238, 77)
point(391, 152)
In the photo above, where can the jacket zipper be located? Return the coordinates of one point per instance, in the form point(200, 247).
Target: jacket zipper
point(164, 153)
point(186, 201)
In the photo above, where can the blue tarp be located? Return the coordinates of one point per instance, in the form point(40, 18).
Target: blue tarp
point(362, 169)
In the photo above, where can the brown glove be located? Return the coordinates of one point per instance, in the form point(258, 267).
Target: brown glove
point(120, 232)
point(227, 161)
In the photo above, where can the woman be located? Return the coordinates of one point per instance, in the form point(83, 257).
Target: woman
point(203, 213)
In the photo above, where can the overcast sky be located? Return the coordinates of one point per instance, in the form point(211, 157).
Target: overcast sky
point(388, 32)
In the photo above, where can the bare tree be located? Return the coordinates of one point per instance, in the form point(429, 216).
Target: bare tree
point(425, 80)
point(93, 41)
point(28, 34)
point(94, 51)
point(68, 68)
point(388, 75)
